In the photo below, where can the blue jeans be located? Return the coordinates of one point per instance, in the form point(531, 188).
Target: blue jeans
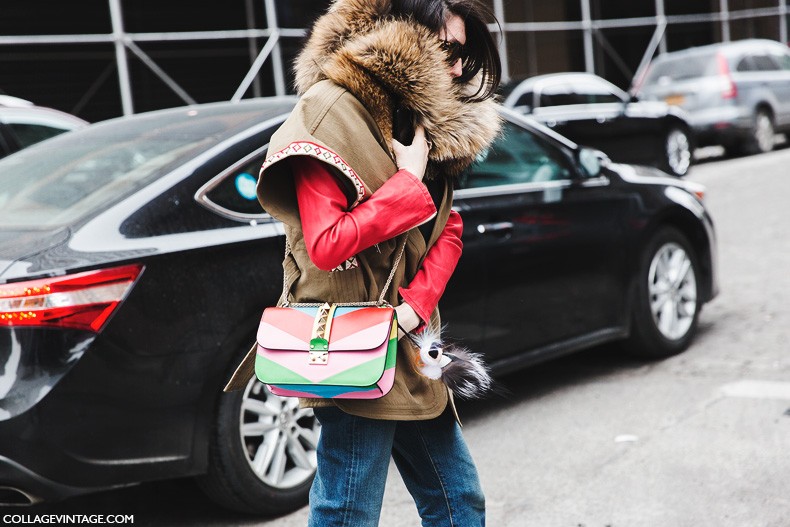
point(431, 456)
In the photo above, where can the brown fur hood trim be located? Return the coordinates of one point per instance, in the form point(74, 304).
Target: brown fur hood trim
point(384, 62)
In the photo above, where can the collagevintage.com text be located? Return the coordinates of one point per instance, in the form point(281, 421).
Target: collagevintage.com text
point(66, 519)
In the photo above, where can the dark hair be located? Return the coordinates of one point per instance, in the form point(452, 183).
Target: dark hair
point(481, 50)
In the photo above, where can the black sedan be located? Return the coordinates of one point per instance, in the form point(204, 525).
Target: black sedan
point(135, 262)
point(594, 112)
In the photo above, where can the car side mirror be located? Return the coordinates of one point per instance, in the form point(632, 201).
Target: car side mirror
point(591, 161)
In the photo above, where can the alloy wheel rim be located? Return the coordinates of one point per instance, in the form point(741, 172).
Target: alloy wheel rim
point(278, 438)
point(672, 288)
point(678, 151)
point(764, 133)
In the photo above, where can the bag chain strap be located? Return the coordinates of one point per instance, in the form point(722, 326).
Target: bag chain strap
point(380, 302)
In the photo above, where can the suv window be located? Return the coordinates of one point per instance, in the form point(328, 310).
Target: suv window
point(517, 156)
point(235, 192)
point(682, 68)
point(765, 63)
point(746, 64)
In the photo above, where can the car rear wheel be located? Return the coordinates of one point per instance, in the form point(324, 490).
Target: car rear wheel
point(763, 133)
point(677, 152)
point(667, 302)
point(761, 136)
point(262, 456)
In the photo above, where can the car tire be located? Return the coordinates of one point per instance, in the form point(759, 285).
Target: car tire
point(761, 136)
point(262, 455)
point(678, 151)
point(667, 302)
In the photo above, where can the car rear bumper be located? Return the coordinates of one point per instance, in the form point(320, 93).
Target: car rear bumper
point(720, 125)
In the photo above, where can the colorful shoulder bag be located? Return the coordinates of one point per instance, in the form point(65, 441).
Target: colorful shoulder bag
point(342, 351)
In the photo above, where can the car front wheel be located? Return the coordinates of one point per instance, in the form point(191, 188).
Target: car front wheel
point(667, 302)
point(677, 152)
point(262, 457)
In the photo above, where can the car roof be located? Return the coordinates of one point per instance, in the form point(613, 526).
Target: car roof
point(549, 79)
point(558, 78)
point(14, 102)
point(734, 47)
point(41, 112)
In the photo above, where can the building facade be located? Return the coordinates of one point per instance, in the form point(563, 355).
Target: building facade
point(103, 58)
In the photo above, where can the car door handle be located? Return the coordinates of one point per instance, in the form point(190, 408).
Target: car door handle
point(486, 228)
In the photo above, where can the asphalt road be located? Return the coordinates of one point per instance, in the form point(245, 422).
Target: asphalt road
point(601, 440)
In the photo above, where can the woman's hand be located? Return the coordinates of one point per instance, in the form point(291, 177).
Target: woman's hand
point(407, 319)
point(414, 157)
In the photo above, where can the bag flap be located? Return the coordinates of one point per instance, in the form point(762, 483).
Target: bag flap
point(352, 328)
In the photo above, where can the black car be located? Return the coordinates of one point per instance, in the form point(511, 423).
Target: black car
point(135, 262)
point(594, 112)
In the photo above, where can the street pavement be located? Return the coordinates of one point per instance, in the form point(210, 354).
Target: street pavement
point(599, 439)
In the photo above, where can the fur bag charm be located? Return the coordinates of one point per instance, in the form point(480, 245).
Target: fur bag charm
point(462, 371)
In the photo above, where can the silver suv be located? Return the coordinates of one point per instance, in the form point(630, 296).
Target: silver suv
point(736, 94)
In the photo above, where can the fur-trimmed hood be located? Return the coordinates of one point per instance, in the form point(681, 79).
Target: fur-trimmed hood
point(384, 62)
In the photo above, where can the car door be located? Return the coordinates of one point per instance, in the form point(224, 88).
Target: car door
point(550, 244)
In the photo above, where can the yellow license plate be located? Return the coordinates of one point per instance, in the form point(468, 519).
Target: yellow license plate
point(675, 100)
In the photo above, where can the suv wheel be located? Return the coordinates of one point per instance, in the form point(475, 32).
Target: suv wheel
point(262, 456)
point(667, 300)
point(677, 152)
point(763, 133)
point(760, 139)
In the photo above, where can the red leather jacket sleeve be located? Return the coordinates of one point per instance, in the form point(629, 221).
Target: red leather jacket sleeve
point(427, 287)
point(334, 234)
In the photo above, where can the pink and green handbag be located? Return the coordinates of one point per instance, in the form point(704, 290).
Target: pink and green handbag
point(342, 351)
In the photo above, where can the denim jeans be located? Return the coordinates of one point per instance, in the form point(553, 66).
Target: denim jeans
point(431, 456)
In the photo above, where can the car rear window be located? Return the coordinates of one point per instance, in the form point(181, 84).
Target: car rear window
point(681, 68)
point(77, 174)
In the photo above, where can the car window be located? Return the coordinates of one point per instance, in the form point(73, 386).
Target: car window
point(593, 93)
point(525, 101)
point(784, 61)
point(235, 192)
point(28, 134)
point(681, 68)
point(517, 156)
point(765, 63)
point(746, 64)
point(578, 93)
point(560, 95)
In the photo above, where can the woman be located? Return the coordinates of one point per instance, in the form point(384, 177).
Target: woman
point(349, 195)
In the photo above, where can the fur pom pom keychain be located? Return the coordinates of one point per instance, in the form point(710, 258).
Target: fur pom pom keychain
point(462, 371)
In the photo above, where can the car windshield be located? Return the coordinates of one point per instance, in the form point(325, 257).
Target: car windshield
point(74, 175)
point(681, 68)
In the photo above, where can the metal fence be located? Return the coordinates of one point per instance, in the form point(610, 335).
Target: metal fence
point(592, 30)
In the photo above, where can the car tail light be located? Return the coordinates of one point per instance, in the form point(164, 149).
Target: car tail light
point(82, 301)
point(730, 90)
